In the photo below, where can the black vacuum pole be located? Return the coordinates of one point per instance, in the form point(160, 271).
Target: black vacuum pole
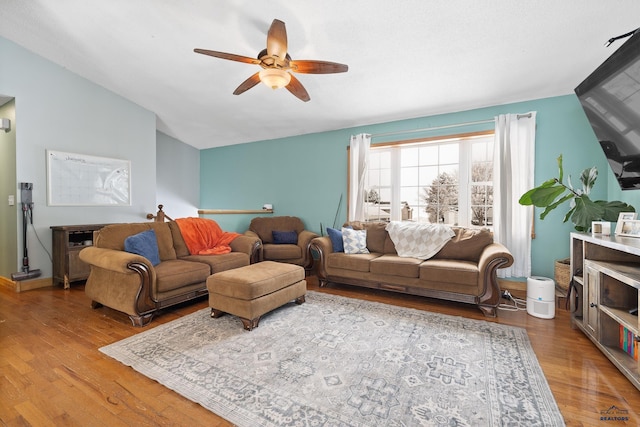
point(26, 272)
point(25, 252)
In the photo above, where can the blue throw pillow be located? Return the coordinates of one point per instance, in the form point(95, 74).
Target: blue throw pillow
point(285, 237)
point(336, 239)
point(144, 244)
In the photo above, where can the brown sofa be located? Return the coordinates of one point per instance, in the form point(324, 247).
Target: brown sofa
point(131, 284)
point(292, 253)
point(464, 270)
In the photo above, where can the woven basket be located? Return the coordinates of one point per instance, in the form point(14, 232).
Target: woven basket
point(562, 273)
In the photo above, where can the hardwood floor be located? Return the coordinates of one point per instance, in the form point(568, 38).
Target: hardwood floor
point(51, 372)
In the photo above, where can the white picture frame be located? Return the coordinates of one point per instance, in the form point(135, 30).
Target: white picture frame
point(630, 228)
point(625, 216)
point(601, 228)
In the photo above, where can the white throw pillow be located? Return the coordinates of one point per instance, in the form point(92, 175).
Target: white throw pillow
point(355, 241)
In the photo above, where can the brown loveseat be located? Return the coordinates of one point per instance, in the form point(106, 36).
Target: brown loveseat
point(130, 283)
point(295, 251)
point(464, 270)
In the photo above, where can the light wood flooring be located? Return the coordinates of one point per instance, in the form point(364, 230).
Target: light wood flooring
point(51, 372)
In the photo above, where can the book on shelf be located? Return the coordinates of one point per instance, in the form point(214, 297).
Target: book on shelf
point(628, 342)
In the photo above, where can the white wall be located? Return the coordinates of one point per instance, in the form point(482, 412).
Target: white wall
point(177, 177)
point(56, 109)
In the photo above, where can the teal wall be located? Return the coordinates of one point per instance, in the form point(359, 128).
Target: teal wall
point(306, 175)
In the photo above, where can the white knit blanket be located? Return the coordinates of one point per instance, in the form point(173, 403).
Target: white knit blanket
point(417, 240)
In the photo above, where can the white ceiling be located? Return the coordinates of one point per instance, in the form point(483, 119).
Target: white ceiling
point(408, 58)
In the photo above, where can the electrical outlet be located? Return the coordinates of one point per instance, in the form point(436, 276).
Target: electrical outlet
point(12, 200)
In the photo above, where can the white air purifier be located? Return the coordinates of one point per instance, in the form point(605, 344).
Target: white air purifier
point(541, 293)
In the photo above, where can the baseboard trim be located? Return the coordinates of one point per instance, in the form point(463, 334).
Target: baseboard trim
point(517, 288)
point(7, 283)
point(26, 285)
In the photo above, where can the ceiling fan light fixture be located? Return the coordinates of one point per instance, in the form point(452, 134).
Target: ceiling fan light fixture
point(274, 77)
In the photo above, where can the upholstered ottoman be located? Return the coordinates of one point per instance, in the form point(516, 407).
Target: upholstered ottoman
point(251, 291)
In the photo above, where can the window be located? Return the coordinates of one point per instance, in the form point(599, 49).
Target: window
point(445, 180)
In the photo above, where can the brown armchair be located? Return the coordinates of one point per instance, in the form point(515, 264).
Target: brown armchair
point(279, 243)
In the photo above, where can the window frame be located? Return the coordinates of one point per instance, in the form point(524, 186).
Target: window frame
point(465, 165)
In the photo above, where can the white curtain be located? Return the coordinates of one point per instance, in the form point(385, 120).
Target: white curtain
point(359, 159)
point(513, 163)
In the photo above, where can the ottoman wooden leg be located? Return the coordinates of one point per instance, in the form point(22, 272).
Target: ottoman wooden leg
point(300, 300)
point(216, 313)
point(250, 324)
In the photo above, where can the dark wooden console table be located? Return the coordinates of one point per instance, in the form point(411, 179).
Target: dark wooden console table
point(68, 241)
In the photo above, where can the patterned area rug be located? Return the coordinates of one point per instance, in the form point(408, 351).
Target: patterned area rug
point(336, 361)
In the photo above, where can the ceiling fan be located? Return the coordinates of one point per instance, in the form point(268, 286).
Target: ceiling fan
point(276, 63)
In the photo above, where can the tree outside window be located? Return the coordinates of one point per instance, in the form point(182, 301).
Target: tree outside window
point(482, 193)
point(441, 198)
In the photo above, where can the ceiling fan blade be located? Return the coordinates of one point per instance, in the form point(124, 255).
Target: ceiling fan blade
point(277, 39)
point(230, 56)
point(317, 67)
point(296, 88)
point(248, 84)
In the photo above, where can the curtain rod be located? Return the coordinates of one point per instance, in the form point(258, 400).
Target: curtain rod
point(480, 122)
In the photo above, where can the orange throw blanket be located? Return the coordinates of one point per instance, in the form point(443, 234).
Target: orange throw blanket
point(204, 236)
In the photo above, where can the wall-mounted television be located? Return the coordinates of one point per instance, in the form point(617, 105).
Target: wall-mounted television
point(610, 97)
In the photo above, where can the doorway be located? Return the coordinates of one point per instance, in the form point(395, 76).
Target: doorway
point(8, 188)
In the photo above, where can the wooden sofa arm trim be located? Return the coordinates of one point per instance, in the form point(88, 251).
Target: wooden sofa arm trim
point(251, 245)
point(304, 242)
point(256, 252)
point(144, 303)
point(489, 298)
point(305, 237)
point(316, 247)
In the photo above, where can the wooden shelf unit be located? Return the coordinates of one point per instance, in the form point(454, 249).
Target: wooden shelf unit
point(68, 241)
point(607, 280)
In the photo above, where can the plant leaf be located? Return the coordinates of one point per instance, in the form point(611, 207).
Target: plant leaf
point(581, 228)
point(545, 196)
point(560, 169)
point(588, 179)
point(551, 194)
point(525, 199)
point(586, 211)
point(568, 214)
point(570, 184)
point(613, 209)
point(557, 203)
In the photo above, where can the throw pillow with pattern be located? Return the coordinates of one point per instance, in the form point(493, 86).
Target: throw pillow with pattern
point(354, 241)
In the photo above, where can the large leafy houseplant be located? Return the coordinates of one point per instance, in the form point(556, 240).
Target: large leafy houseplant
point(553, 193)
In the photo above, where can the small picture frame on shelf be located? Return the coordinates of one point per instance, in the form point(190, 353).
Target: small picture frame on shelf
point(601, 228)
point(630, 228)
point(625, 216)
